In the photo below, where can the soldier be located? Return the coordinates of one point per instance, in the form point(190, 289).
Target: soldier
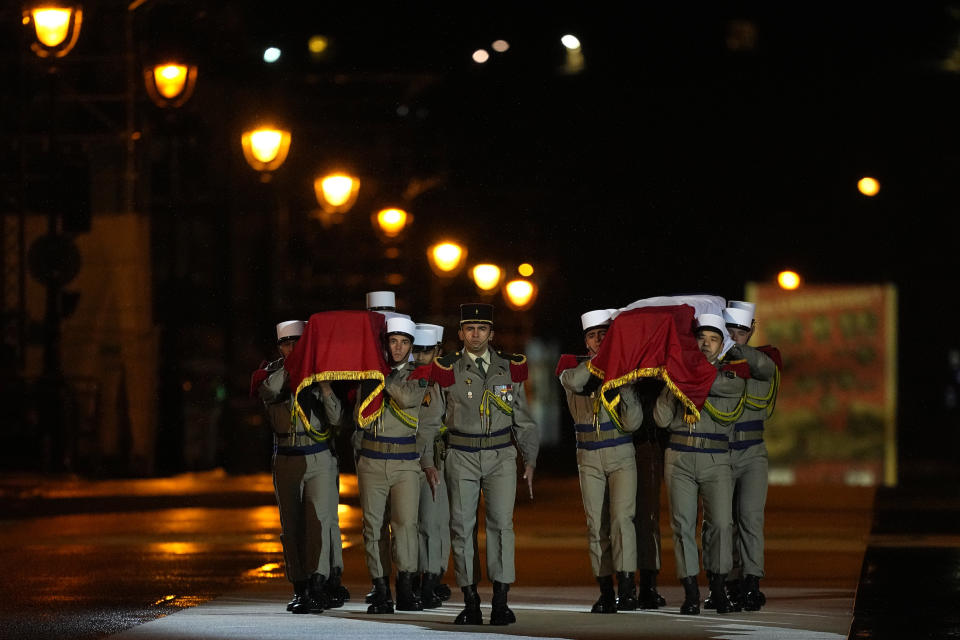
point(608, 472)
point(486, 406)
point(389, 471)
point(440, 510)
point(748, 456)
point(305, 482)
point(384, 303)
point(698, 465)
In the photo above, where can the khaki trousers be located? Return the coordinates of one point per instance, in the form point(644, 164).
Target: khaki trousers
point(434, 527)
point(750, 476)
point(397, 483)
point(608, 487)
point(690, 475)
point(494, 473)
point(307, 491)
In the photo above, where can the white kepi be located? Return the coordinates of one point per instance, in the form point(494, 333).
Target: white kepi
point(405, 326)
point(437, 330)
point(381, 301)
point(290, 329)
point(595, 318)
point(424, 336)
point(738, 318)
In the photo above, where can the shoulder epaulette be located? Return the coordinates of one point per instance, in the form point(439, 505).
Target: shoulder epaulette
point(518, 365)
point(740, 368)
point(567, 361)
point(773, 353)
point(442, 372)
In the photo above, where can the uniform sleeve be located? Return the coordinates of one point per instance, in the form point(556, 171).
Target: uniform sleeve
point(428, 425)
point(727, 385)
point(333, 409)
point(666, 408)
point(630, 408)
point(405, 392)
point(576, 379)
point(272, 390)
point(525, 429)
point(762, 366)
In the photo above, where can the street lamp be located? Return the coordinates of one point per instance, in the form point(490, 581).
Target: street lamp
point(336, 192)
point(170, 84)
point(391, 222)
point(57, 28)
point(446, 258)
point(265, 149)
point(486, 277)
point(788, 280)
point(519, 294)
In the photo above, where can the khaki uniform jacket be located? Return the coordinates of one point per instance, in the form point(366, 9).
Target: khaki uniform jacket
point(463, 398)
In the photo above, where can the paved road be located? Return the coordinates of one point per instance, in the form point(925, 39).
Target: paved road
point(126, 552)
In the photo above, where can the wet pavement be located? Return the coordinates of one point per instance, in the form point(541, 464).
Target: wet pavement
point(86, 559)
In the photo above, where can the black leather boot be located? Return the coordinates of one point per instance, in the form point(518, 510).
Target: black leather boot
point(500, 613)
point(647, 595)
point(317, 593)
point(381, 602)
point(471, 610)
point(752, 597)
point(608, 599)
point(441, 590)
point(407, 598)
point(428, 594)
point(708, 601)
point(337, 594)
point(734, 592)
point(691, 596)
point(718, 593)
point(299, 593)
point(626, 591)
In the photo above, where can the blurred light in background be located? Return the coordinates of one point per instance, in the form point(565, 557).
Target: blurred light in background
point(271, 54)
point(868, 186)
point(480, 56)
point(446, 258)
point(56, 28)
point(500, 46)
point(519, 294)
point(526, 269)
point(788, 280)
point(571, 42)
point(486, 276)
point(392, 222)
point(336, 192)
point(265, 148)
point(317, 44)
point(170, 84)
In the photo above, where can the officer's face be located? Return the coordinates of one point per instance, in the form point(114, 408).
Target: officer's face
point(287, 346)
point(739, 335)
point(399, 346)
point(424, 356)
point(593, 338)
point(475, 336)
point(710, 343)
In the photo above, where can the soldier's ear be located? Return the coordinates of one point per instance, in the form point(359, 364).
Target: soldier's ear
point(491, 334)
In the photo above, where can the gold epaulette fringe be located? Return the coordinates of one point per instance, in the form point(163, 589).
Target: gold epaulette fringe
point(332, 376)
point(692, 414)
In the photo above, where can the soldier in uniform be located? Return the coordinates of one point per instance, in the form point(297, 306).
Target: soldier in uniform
point(748, 456)
point(697, 465)
point(305, 482)
point(384, 303)
point(608, 472)
point(486, 408)
point(434, 520)
point(389, 472)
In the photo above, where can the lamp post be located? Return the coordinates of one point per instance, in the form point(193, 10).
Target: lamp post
point(56, 26)
point(170, 84)
point(336, 194)
point(265, 149)
point(446, 259)
point(487, 277)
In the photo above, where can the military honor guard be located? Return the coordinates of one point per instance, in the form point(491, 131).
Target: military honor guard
point(697, 466)
point(305, 481)
point(389, 472)
point(485, 411)
point(748, 456)
point(434, 516)
point(608, 471)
